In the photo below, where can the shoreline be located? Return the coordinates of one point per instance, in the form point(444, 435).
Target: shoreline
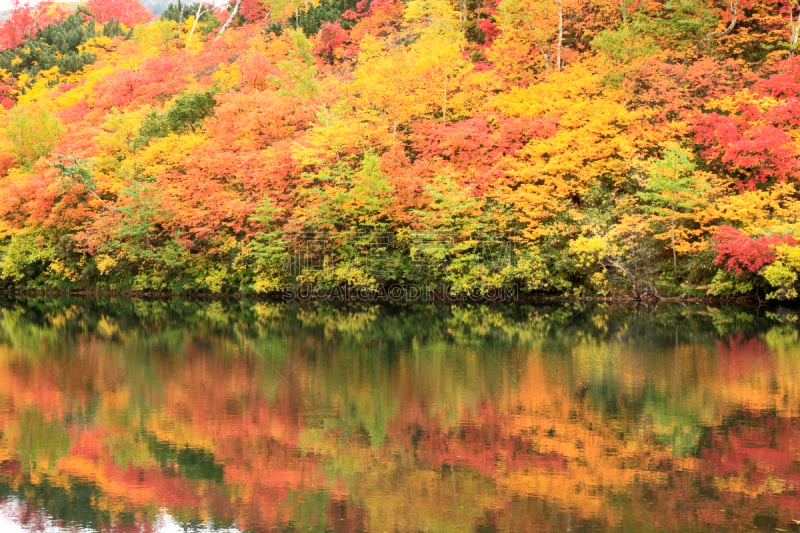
point(344, 295)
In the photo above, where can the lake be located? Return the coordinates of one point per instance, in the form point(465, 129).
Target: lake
point(151, 415)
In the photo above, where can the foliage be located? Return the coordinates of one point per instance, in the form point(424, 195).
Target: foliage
point(673, 195)
point(740, 253)
point(57, 45)
point(25, 20)
point(127, 12)
point(26, 256)
point(782, 273)
point(605, 148)
point(311, 17)
point(181, 13)
point(186, 113)
point(33, 132)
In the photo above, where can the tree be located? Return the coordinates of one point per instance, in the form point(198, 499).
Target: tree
point(461, 239)
point(441, 65)
point(25, 20)
point(740, 253)
point(733, 8)
point(202, 11)
point(187, 113)
point(673, 192)
point(231, 16)
point(33, 132)
point(421, 79)
point(382, 84)
point(782, 274)
point(128, 12)
point(746, 145)
point(344, 225)
point(794, 24)
point(331, 37)
point(528, 27)
point(271, 269)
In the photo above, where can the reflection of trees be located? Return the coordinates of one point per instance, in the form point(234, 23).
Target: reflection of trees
point(259, 413)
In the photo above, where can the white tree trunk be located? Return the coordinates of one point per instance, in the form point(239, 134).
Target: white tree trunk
point(733, 7)
point(547, 55)
point(560, 41)
point(230, 19)
point(794, 25)
point(200, 13)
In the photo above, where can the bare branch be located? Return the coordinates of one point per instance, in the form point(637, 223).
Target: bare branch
point(230, 19)
point(733, 6)
point(200, 13)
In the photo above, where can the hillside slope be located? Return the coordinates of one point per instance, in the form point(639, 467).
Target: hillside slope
point(600, 148)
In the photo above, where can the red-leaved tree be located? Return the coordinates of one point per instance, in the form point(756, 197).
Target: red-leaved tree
point(128, 12)
point(25, 20)
point(740, 253)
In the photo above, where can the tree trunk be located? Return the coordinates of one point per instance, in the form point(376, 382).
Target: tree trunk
point(733, 6)
point(794, 26)
point(547, 56)
point(444, 103)
point(674, 253)
point(230, 19)
point(200, 13)
point(560, 41)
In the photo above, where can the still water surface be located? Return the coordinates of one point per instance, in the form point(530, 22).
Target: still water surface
point(130, 415)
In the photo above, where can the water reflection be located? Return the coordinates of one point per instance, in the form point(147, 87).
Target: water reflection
point(132, 415)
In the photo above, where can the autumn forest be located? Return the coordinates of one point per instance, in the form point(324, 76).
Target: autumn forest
point(635, 148)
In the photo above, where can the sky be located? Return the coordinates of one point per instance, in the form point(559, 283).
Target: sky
point(5, 5)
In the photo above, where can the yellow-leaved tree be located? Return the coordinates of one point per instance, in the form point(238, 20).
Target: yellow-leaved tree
point(401, 82)
point(531, 37)
point(32, 131)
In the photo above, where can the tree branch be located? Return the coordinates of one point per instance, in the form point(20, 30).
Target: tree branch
point(230, 19)
point(200, 13)
point(734, 9)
